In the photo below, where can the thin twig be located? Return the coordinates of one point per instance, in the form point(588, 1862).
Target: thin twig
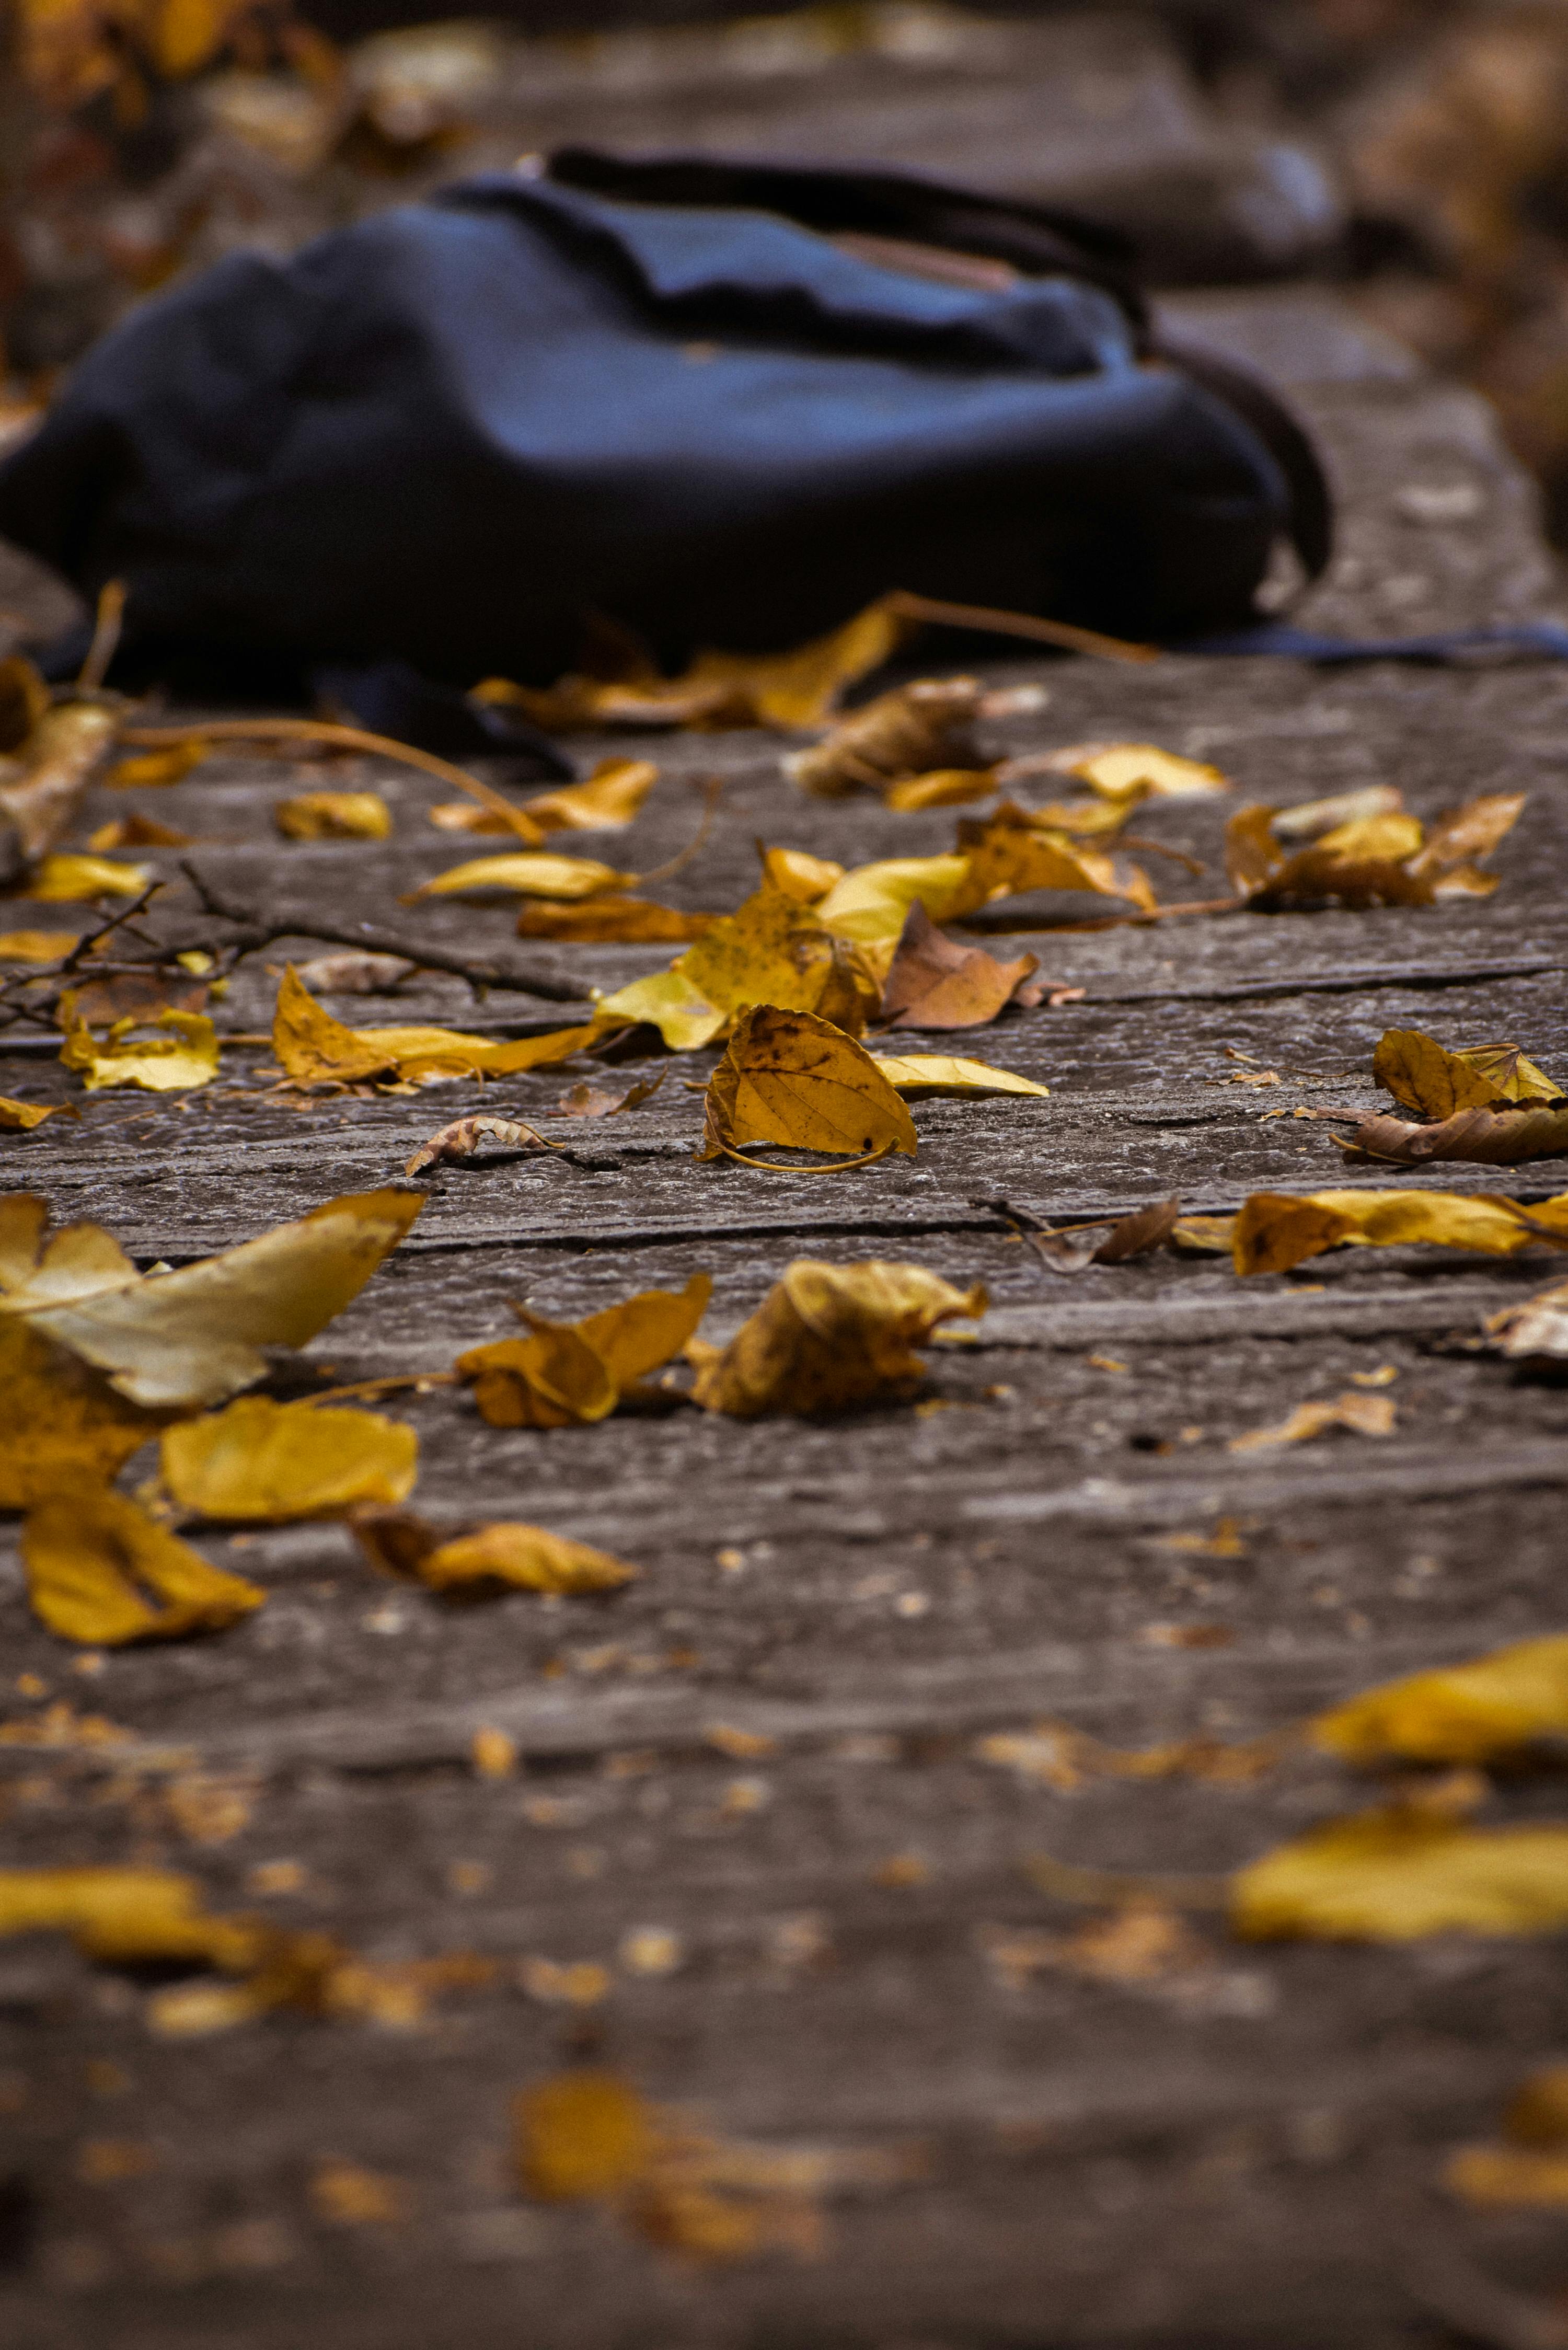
point(714, 788)
point(1060, 633)
point(105, 636)
point(341, 738)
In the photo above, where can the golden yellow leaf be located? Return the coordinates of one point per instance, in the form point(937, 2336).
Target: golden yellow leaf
point(792, 1078)
point(644, 1332)
point(194, 1337)
point(1386, 859)
point(799, 874)
point(668, 1002)
point(1276, 1231)
point(1423, 1074)
point(88, 1550)
point(871, 903)
point(524, 1558)
point(531, 875)
point(1010, 855)
point(582, 2136)
point(1117, 770)
point(69, 878)
point(1364, 1415)
point(611, 798)
point(159, 1065)
point(1459, 1713)
point(613, 919)
point(1508, 2174)
point(1310, 819)
point(942, 1073)
point(65, 1426)
point(826, 1336)
point(137, 832)
point(123, 1915)
point(271, 1462)
point(943, 787)
point(35, 946)
point(802, 688)
point(778, 951)
point(334, 816)
point(147, 768)
point(564, 1373)
point(23, 1117)
point(1393, 1874)
point(314, 1048)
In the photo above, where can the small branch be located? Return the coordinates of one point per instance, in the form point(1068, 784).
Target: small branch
point(713, 791)
point(338, 738)
point(298, 921)
point(105, 636)
point(1066, 638)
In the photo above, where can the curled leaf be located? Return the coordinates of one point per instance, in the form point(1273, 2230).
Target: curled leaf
point(910, 732)
point(1427, 1077)
point(584, 1100)
point(272, 1461)
point(566, 1373)
point(314, 1048)
point(1310, 819)
point(90, 1553)
point(23, 1117)
point(1364, 1415)
point(531, 875)
point(1484, 1138)
point(159, 1065)
point(334, 816)
point(137, 832)
point(826, 1336)
point(1387, 860)
point(1538, 1326)
point(933, 982)
point(613, 919)
point(1393, 1874)
point(871, 903)
point(799, 874)
point(612, 797)
point(1075, 1247)
point(503, 1556)
point(911, 1074)
point(1276, 1231)
point(458, 1143)
point(792, 1078)
point(778, 951)
point(1497, 1706)
point(943, 787)
point(70, 878)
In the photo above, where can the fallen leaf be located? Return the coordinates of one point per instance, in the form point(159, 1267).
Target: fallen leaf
point(72, 878)
point(458, 1142)
point(1425, 1077)
point(35, 946)
point(826, 1336)
point(1141, 770)
point(933, 982)
point(611, 798)
point(355, 973)
point(683, 1014)
point(1011, 856)
point(314, 1048)
point(582, 2136)
point(1309, 819)
point(566, 1373)
point(271, 1462)
point(1072, 1248)
point(615, 920)
point(1393, 1874)
point(347, 2196)
point(943, 787)
point(159, 1065)
point(123, 1915)
point(799, 874)
point(86, 1554)
point(1538, 1326)
point(585, 1100)
point(870, 904)
point(1513, 1699)
point(23, 1117)
point(775, 951)
point(1485, 1137)
point(334, 816)
point(908, 731)
point(148, 768)
point(911, 1074)
point(137, 832)
point(192, 1337)
point(1276, 1231)
point(61, 754)
point(1387, 860)
point(503, 1556)
point(789, 1078)
point(1532, 2168)
point(65, 1425)
point(1364, 1415)
point(541, 875)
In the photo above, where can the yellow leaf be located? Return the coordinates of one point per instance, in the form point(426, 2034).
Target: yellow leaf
point(137, 832)
point(148, 768)
point(872, 902)
point(65, 1426)
point(611, 798)
point(775, 951)
point(1310, 819)
point(313, 1047)
point(1508, 2174)
point(186, 35)
point(526, 1558)
point(646, 1331)
point(792, 1078)
point(194, 1337)
point(1010, 855)
point(260, 1460)
point(1276, 1231)
point(121, 1914)
point(1119, 769)
point(802, 688)
point(1364, 1415)
point(567, 1372)
point(35, 946)
point(613, 919)
point(533, 875)
point(69, 878)
point(826, 1336)
point(668, 1002)
point(1423, 1074)
point(334, 816)
point(581, 2137)
point(1393, 1874)
point(942, 1073)
point(1460, 1713)
point(159, 1065)
point(85, 1552)
point(800, 874)
point(1386, 858)
point(943, 787)
point(23, 1117)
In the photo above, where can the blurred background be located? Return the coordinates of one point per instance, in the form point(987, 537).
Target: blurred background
point(1412, 152)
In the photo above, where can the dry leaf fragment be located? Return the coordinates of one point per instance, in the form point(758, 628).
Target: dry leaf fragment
point(1538, 1326)
point(585, 1100)
point(908, 731)
point(35, 946)
point(1276, 1231)
point(826, 1336)
point(1373, 860)
point(1393, 1874)
point(1364, 1415)
point(943, 787)
point(1072, 1248)
point(611, 919)
point(159, 1065)
point(334, 816)
point(1310, 819)
point(584, 2135)
point(568, 1372)
point(313, 1048)
point(611, 798)
point(271, 1462)
point(22, 1117)
point(75, 879)
point(791, 1079)
point(778, 951)
point(457, 1143)
point(86, 1553)
point(911, 1074)
point(1131, 770)
point(137, 832)
point(543, 876)
point(355, 972)
point(1425, 1077)
point(933, 982)
point(522, 1558)
point(1486, 1137)
point(63, 748)
point(192, 1337)
point(65, 1426)
point(148, 768)
point(1513, 1699)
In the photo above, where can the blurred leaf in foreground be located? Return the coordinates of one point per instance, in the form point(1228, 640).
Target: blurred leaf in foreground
point(827, 1337)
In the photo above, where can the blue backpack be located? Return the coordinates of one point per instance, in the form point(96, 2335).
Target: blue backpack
point(717, 404)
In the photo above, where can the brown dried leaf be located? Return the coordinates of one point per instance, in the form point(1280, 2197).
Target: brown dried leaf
point(908, 731)
point(586, 1100)
point(1276, 1230)
point(789, 1078)
point(334, 816)
point(1364, 1415)
point(827, 1337)
point(614, 920)
point(935, 983)
point(1486, 1137)
point(457, 1143)
point(1075, 1247)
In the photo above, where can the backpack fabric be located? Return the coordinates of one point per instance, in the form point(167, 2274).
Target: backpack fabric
point(662, 393)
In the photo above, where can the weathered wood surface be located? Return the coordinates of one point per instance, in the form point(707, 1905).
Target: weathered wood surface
point(1247, 2154)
